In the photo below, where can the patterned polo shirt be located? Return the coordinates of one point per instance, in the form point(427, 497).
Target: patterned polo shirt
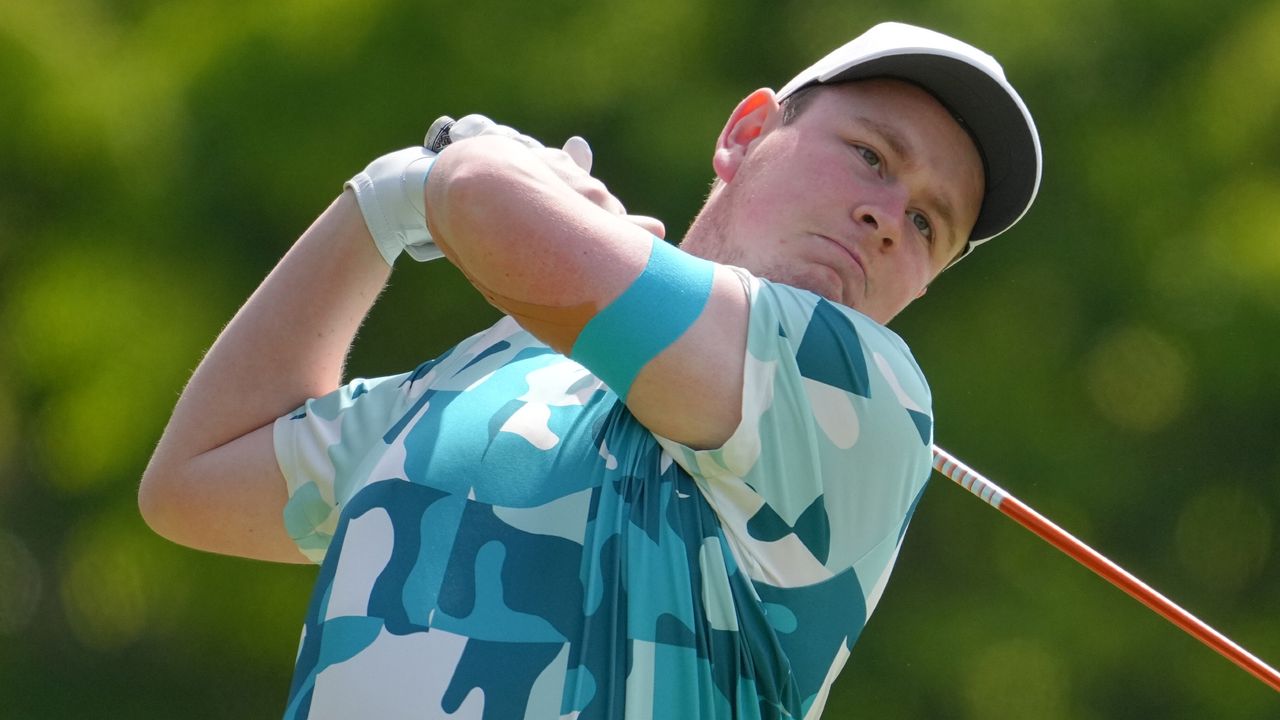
point(498, 537)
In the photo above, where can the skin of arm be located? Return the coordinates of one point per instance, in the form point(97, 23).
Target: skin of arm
point(530, 229)
point(213, 482)
point(533, 242)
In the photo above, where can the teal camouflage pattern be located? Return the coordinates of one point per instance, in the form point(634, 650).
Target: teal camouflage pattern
point(499, 538)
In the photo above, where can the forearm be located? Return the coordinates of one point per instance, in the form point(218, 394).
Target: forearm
point(539, 247)
point(548, 252)
point(289, 340)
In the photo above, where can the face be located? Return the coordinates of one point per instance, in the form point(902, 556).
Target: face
point(863, 198)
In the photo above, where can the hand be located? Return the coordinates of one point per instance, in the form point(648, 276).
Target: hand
point(389, 190)
point(445, 131)
point(572, 162)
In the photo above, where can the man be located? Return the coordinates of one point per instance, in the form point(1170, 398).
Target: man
point(669, 484)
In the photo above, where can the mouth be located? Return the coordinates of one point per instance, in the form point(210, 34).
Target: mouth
point(851, 253)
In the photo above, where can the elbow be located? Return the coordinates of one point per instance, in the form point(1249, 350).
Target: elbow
point(156, 501)
point(477, 192)
point(150, 503)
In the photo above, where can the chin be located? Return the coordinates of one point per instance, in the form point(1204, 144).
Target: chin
point(835, 296)
point(820, 280)
point(825, 283)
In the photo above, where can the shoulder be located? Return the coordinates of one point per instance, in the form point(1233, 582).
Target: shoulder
point(830, 343)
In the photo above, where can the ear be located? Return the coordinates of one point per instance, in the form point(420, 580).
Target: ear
point(923, 290)
point(745, 125)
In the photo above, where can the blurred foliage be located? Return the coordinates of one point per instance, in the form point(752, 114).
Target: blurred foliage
point(1111, 361)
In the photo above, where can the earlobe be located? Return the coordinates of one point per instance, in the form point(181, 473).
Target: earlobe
point(745, 124)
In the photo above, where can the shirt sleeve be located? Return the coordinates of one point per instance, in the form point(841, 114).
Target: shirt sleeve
point(327, 446)
point(833, 449)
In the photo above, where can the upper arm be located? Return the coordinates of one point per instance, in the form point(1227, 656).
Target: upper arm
point(541, 252)
point(228, 500)
point(276, 493)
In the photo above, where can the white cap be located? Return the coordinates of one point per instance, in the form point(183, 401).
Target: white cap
point(972, 86)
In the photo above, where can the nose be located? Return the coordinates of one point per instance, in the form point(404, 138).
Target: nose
point(884, 217)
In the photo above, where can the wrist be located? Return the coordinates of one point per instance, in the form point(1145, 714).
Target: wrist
point(390, 194)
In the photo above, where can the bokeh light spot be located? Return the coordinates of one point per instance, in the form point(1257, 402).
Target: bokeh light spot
point(1041, 682)
point(106, 583)
point(1137, 379)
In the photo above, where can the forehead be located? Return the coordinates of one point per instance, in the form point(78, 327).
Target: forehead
point(892, 101)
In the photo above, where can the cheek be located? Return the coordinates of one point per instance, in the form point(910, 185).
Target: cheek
point(914, 276)
point(799, 178)
point(923, 275)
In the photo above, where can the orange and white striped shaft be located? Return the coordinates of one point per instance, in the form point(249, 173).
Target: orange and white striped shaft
point(948, 465)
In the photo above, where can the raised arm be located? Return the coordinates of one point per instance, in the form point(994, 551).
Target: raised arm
point(532, 230)
point(213, 482)
point(527, 236)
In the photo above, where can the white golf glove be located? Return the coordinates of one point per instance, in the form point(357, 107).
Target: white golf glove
point(390, 189)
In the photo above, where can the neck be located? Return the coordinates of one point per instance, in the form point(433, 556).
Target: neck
point(706, 236)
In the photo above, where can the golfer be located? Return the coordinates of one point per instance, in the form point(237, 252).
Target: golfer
point(669, 482)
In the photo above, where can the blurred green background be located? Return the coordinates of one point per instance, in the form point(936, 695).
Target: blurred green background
point(1111, 361)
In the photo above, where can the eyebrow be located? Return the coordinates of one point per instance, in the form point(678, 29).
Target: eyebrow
point(904, 149)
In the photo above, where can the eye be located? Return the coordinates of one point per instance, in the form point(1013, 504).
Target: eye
point(869, 155)
point(922, 224)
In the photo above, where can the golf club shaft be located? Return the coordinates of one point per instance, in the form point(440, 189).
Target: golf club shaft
point(975, 483)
